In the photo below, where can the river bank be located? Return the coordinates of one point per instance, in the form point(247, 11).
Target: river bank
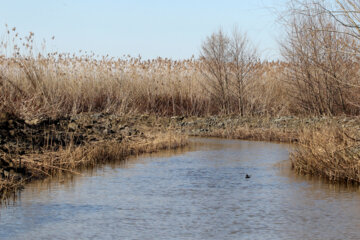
point(40, 148)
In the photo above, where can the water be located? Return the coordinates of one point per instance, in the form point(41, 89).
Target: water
point(197, 193)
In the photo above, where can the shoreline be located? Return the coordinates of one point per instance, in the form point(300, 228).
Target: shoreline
point(38, 149)
point(41, 148)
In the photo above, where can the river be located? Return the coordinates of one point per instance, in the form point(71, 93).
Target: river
point(199, 192)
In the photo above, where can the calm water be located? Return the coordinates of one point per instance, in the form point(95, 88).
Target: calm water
point(197, 193)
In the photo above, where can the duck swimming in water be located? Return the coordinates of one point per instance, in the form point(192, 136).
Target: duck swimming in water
point(248, 176)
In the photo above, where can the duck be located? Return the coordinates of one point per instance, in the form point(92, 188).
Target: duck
point(247, 176)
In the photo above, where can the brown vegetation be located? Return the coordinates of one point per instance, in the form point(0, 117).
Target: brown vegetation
point(58, 85)
point(322, 51)
point(282, 129)
point(331, 151)
point(322, 69)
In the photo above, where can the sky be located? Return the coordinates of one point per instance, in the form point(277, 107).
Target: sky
point(154, 28)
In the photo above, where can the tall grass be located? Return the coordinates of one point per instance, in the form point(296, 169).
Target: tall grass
point(329, 151)
point(34, 84)
point(60, 85)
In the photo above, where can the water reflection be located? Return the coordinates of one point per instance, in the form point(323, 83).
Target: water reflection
point(194, 193)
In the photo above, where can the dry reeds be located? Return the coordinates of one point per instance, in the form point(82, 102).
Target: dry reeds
point(54, 85)
point(56, 88)
point(8, 186)
point(330, 151)
point(57, 85)
point(320, 75)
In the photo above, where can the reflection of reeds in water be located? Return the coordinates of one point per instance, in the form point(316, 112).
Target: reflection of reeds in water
point(312, 183)
point(8, 187)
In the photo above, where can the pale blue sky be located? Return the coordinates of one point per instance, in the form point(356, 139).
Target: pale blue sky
point(172, 29)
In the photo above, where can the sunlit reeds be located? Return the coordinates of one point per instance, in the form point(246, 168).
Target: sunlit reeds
point(331, 151)
point(39, 84)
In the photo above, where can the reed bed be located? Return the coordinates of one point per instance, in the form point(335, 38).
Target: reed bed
point(36, 84)
point(330, 151)
point(59, 86)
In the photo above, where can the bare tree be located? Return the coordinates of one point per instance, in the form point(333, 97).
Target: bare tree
point(347, 13)
point(243, 63)
point(215, 55)
point(229, 62)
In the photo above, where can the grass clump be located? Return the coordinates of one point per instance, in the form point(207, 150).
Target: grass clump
point(331, 151)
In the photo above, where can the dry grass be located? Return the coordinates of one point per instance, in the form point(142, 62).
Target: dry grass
point(56, 87)
point(282, 129)
point(35, 85)
point(330, 151)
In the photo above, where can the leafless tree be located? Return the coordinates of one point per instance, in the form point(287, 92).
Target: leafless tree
point(228, 64)
point(243, 64)
point(347, 13)
point(215, 55)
